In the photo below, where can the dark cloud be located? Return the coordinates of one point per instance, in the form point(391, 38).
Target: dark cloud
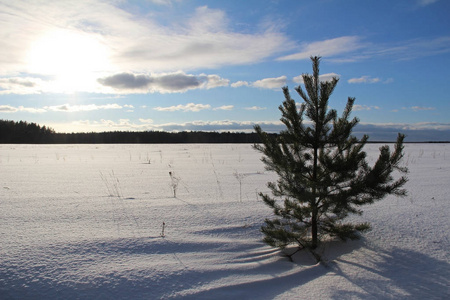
point(20, 85)
point(177, 82)
point(163, 83)
point(22, 82)
point(126, 81)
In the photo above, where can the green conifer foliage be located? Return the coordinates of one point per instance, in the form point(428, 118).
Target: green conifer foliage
point(323, 174)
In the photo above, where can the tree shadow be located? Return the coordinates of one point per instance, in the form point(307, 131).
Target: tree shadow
point(211, 268)
point(394, 274)
point(267, 288)
point(109, 268)
point(270, 272)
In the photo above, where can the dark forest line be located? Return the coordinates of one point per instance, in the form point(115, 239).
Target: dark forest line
point(23, 132)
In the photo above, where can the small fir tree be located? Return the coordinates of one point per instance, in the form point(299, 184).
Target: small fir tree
point(323, 174)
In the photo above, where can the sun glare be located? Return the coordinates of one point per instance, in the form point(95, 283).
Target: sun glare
point(73, 58)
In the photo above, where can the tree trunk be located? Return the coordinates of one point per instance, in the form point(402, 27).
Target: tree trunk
point(314, 203)
point(314, 229)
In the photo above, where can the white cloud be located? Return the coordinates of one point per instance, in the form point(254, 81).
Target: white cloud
point(203, 41)
point(406, 126)
point(428, 125)
point(137, 42)
point(326, 48)
point(62, 108)
point(77, 108)
point(323, 77)
point(30, 22)
point(207, 20)
point(32, 109)
point(255, 108)
point(424, 131)
point(101, 126)
point(164, 2)
point(409, 49)
point(147, 121)
point(123, 124)
point(239, 84)
point(357, 107)
point(177, 82)
point(213, 81)
point(221, 125)
point(192, 107)
point(188, 107)
point(342, 49)
point(8, 108)
point(12, 109)
point(271, 83)
point(225, 107)
point(426, 2)
point(364, 79)
point(420, 108)
point(279, 82)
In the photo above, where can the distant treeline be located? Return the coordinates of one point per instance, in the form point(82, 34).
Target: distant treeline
point(22, 132)
point(30, 133)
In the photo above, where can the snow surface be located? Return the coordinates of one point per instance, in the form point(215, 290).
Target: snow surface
point(84, 222)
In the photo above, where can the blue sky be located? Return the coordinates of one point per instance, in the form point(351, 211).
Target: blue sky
point(177, 65)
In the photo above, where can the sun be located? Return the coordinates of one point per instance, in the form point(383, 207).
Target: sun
point(72, 58)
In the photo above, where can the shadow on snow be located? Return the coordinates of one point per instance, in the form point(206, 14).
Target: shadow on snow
point(204, 269)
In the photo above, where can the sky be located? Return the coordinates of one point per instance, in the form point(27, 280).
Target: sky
point(183, 65)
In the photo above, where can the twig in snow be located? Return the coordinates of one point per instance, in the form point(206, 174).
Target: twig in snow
point(239, 177)
point(162, 231)
point(174, 183)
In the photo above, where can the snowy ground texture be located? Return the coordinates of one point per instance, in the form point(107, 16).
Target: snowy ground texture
point(84, 222)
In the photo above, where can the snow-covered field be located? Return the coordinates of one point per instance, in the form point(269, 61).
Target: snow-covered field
point(84, 222)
